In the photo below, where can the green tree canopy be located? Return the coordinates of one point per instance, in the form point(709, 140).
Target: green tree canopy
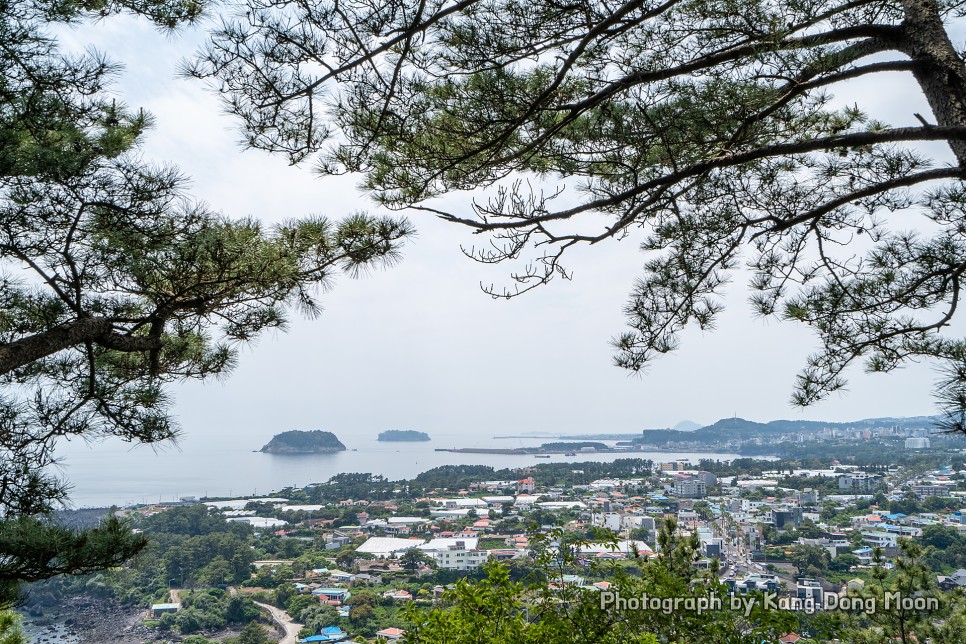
point(706, 127)
point(413, 558)
point(545, 608)
point(10, 632)
point(253, 633)
point(113, 281)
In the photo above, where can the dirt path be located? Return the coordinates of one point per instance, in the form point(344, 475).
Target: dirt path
point(284, 620)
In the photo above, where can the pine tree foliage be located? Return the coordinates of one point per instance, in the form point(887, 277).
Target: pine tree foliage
point(10, 632)
point(892, 620)
point(36, 548)
point(706, 127)
point(113, 282)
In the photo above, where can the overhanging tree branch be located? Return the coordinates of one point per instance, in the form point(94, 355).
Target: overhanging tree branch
point(692, 123)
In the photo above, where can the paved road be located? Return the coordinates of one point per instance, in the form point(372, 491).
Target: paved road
point(284, 620)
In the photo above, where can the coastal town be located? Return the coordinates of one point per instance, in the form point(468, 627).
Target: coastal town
point(459, 225)
point(336, 567)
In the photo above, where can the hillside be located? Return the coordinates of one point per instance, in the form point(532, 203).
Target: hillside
point(730, 429)
point(303, 442)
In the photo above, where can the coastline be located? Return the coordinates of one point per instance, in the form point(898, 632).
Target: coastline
point(530, 451)
point(89, 619)
point(95, 620)
point(233, 469)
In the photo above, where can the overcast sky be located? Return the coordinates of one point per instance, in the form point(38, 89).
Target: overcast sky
point(420, 346)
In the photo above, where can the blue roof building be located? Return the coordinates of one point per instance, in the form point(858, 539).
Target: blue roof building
point(328, 634)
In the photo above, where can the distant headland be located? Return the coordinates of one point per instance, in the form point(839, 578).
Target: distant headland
point(303, 442)
point(403, 435)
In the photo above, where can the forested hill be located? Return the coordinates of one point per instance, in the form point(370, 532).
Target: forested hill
point(741, 429)
point(403, 435)
point(303, 442)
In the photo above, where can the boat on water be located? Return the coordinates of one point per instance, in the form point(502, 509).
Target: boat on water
point(541, 455)
point(570, 453)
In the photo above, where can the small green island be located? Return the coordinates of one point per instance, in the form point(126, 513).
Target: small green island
point(403, 435)
point(303, 442)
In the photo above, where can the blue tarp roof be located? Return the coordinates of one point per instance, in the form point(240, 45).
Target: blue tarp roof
point(328, 634)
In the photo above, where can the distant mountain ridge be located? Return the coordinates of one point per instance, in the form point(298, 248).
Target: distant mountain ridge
point(686, 426)
point(742, 429)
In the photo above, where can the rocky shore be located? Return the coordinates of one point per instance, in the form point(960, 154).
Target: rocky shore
point(89, 619)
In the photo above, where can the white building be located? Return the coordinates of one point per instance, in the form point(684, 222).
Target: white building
point(467, 502)
point(690, 487)
point(260, 522)
point(405, 521)
point(454, 513)
point(859, 481)
point(925, 489)
point(880, 539)
point(384, 547)
point(526, 486)
point(562, 505)
point(634, 521)
point(395, 525)
point(498, 500)
point(457, 555)
point(688, 519)
point(301, 508)
point(442, 543)
point(609, 520)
